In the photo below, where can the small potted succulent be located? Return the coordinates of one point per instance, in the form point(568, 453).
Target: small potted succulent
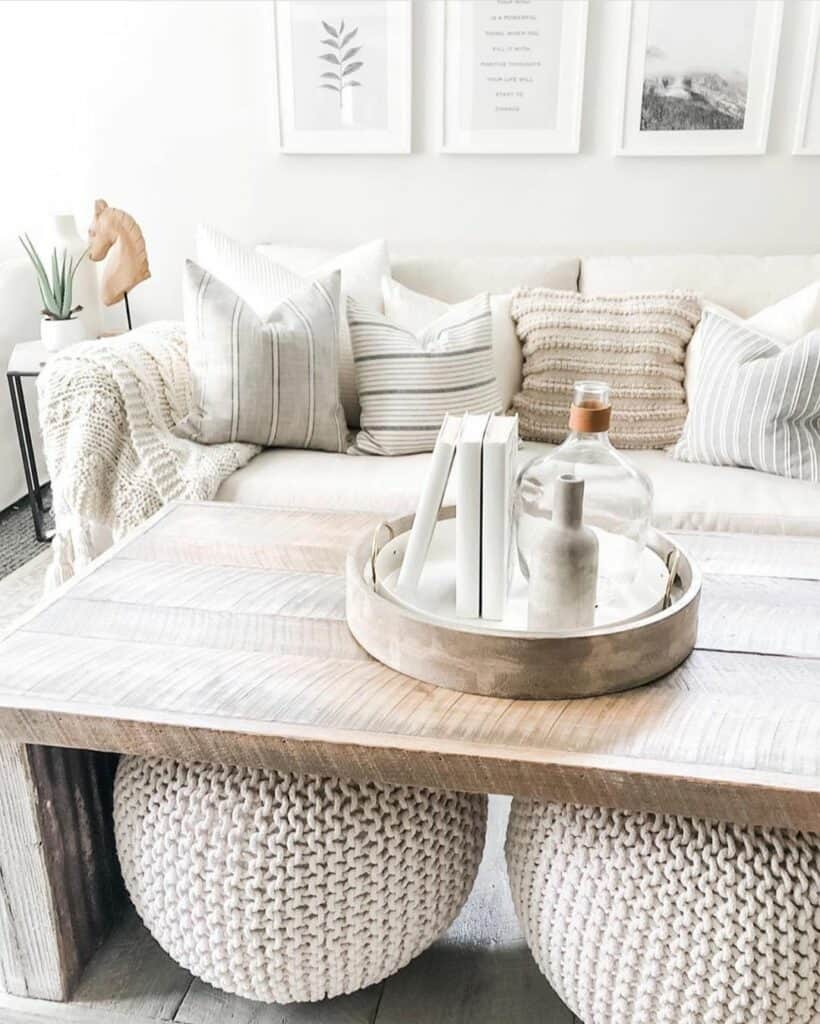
point(60, 326)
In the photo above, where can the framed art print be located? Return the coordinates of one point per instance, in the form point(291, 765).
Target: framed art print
point(699, 77)
point(343, 75)
point(807, 136)
point(512, 75)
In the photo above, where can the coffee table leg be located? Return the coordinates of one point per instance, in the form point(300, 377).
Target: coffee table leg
point(35, 495)
point(60, 888)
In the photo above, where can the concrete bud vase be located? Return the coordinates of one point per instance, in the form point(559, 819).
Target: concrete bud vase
point(564, 565)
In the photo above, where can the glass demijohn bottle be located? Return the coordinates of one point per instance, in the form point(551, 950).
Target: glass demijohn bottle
point(617, 496)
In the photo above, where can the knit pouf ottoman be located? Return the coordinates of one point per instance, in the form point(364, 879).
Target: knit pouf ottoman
point(656, 919)
point(282, 887)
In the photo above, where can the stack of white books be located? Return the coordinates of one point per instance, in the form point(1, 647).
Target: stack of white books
point(482, 448)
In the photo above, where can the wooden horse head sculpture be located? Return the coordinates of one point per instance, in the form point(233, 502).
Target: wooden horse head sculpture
point(128, 265)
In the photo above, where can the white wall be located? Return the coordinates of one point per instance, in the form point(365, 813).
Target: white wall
point(167, 109)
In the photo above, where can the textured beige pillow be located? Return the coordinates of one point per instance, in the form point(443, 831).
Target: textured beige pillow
point(636, 343)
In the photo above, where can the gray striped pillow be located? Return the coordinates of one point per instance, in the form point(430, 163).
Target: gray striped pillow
point(272, 382)
point(757, 403)
point(407, 382)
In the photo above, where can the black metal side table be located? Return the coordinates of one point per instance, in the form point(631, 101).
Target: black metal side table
point(27, 360)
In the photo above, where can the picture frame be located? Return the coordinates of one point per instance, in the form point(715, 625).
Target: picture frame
point(343, 75)
point(698, 78)
point(501, 94)
point(807, 133)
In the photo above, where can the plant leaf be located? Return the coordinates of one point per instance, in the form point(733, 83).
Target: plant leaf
point(353, 67)
point(353, 83)
point(69, 287)
point(348, 37)
point(330, 74)
point(81, 257)
point(45, 286)
point(331, 31)
point(332, 42)
point(331, 57)
point(341, 27)
point(335, 88)
point(350, 53)
point(56, 280)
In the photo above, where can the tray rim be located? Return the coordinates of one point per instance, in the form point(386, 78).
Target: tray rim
point(366, 545)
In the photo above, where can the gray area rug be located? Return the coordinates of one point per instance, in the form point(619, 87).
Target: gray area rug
point(18, 544)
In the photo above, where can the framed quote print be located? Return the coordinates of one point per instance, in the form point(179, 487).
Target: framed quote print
point(807, 136)
point(698, 76)
point(343, 75)
point(512, 75)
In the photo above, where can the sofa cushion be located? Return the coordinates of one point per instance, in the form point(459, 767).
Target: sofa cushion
point(743, 284)
point(453, 277)
point(687, 496)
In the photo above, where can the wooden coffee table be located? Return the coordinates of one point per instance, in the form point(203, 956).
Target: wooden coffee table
point(217, 632)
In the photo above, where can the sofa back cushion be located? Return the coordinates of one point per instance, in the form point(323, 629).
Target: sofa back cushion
point(456, 277)
point(743, 284)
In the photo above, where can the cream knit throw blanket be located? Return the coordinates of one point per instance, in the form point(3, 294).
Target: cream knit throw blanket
point(107, 411)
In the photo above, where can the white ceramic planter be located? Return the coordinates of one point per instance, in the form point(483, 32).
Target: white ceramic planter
point(57, 334)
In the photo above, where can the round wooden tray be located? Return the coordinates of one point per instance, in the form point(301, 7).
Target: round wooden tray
point(477, 657)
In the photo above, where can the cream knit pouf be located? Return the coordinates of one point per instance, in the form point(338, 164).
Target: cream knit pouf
point(655, 919)
point(282, 887)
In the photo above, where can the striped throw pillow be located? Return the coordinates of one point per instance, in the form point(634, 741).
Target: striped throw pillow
point(272, 382)
point(636, 343)
point(408, 382)
point(757, 403)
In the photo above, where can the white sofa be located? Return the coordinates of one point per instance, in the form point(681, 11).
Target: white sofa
point(687, 496)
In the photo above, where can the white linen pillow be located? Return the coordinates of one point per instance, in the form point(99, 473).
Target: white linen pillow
point(408, 381)
point(263, 282)
point(414, 311)
point(786, 321)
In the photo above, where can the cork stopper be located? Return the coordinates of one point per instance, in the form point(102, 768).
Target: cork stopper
point(591, 408)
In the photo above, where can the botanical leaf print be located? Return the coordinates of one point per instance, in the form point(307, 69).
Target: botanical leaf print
point(337, 42)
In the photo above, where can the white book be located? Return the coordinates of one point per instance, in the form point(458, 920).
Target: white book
point(498, 473)
point(468, 515)
point(432, 495)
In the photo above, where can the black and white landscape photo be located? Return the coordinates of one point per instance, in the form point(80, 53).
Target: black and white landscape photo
point(696, 71)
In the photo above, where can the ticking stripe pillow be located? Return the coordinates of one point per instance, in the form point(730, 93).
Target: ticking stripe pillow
point(757, 403)
point(272, 382)
point(408, 382)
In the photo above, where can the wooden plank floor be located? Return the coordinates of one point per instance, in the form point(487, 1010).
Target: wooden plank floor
point(133, 982)
point(481, 972)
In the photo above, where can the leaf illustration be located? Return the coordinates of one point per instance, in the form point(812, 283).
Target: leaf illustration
point(336, 42)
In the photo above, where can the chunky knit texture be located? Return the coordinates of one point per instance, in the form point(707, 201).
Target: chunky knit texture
point(657, 919)
point(282, 887)
point(636, 343)
point(107, 409)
